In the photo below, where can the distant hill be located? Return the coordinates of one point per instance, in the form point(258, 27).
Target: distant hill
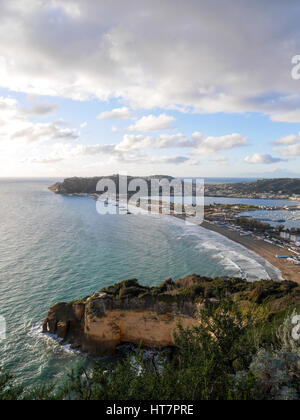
point(77, 185)
point(285, 185)
point(276, 187)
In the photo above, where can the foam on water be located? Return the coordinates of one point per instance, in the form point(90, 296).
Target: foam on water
point(229, 254)
point(56, 248)
point(52, 340)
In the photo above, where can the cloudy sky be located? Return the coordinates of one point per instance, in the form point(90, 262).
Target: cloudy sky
point(186, 88)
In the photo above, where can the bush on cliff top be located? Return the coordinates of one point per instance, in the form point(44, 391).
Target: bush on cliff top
point(234, 354)
point(223, 358)
point(278, 295)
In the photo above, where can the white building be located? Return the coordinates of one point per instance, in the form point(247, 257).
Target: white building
point(285, 235)
point(294, 238)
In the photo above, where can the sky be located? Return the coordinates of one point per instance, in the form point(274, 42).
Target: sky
point(183, 88)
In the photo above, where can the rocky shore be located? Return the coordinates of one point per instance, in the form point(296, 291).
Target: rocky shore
point(128, 312)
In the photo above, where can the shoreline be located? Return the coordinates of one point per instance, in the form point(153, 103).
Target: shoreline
point(264, 249)
point(268, 252)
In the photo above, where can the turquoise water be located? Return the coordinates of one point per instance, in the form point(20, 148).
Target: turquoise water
point(56, 248)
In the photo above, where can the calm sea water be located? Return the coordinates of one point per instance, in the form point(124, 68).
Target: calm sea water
point(212, 180)
point(289, 219)
point(229, 200)
point(56, 248)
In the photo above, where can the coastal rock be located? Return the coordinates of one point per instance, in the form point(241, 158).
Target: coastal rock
point(45, 327)
point(129, 312)
point(62, 329)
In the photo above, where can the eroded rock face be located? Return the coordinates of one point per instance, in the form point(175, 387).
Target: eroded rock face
point(138, 327)
point(129, 312)
point(62, 329)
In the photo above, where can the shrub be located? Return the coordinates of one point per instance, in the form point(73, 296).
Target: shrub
point(221, 359)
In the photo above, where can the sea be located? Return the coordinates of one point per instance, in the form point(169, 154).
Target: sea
point(290, 219)
point(55, 248)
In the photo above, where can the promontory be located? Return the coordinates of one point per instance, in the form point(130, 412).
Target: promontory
point(130, 312)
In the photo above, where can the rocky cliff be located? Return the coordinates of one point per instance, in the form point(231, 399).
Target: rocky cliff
point(129, 312)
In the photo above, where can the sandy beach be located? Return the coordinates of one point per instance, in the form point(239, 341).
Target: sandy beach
point(262, 248)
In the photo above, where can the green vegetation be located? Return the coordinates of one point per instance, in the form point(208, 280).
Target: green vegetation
point(236, 353)
point(253, 225)
point(273, 296)
point(78, 185)
point(288, 186)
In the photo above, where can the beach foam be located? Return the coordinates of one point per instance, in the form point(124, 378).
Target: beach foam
point(233, 256)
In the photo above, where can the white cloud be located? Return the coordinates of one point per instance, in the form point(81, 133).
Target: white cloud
point(115, 114)
point(199, 143)
point(40, 110)
point(95, 149)
point(83, 125)
point(289, 146)
point(70, 7)
point(112, 153)
point(169, 141)
point(220, 160)
point(47, 160)
point(290, 151)
point(45, 132)
point(16, 126)
point(148, 55)
point(140, 141)
point(49, 143)
point(288, 140)
point(210, 144)
point(134, 142)
point(258, 159)
point(152, 123)
point(292, 116)
point(8, 109)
